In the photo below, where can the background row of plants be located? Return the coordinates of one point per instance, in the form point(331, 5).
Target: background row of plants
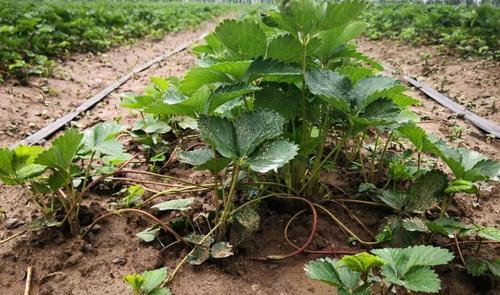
point(35, 33)
point(277, 101)
point(468, 30)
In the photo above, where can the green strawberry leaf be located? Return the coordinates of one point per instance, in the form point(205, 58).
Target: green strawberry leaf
point(272, 155)
point(175, 205)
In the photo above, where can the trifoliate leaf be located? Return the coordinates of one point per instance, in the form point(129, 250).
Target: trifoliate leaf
point(149, 234)
point(221, 250)
point(203, 158)
point(417, 137)
point(396, 200)
point(218, 74)
point(304, 16)
point(428, 255)
point(410, 267)
point(101, 139)
point(273, 99)
point(244, 38)
point(379, 112)
point(426, 191)
point(271, 70)
point(17, 165)
point(199, 255)
point(136, 102)
point(332, 272)
point(330, 86)
point(150, 124)
point(353, 72)
point(220, 133)
point(331, 39)
point(224, 94)
point(254, 128)
point(446, 226)
point(324, 270)
point(340, 13)
point(133, 196)
point(420, 279)
point(494, 266)
point(196, 157)
point(272, 155)
point(135, 281)
point(285, 48)
point(60, 156)
point(489, 233)
point(153, 279)
point(476, 266)
point(467, 164)
point(199, 239)
point(177, 205)
point(414, 224)
point(249, 219)
point(188, 123)
point(361, 262)
point(369, 89)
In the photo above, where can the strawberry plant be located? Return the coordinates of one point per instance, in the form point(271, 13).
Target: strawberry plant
point(467, 29)
point(286, 62)
point(55, 180)
point(148, 283)
point(278, 96)
point(408, 269)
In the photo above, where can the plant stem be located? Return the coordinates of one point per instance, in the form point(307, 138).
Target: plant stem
point(479, 245)
point(335, 151)
point(374, 154)
point(344, 227)
point(13, 237)
point(157, 175)
point(87, 173)
point(389, 289)
point(300, 167)
point(137, 211)
point(208, 186)
point(190, 189)
point(363, 170)
point(419, 161)
point(384, 151)
point(319, 152)
point(459, 250)
point(228, 202)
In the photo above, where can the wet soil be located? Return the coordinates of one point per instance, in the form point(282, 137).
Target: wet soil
point(96, 266)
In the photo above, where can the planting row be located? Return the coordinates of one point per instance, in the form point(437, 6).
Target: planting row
point(469, 30)
point(34, 33)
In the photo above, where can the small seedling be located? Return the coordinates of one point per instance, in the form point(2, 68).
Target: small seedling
point(148, 283)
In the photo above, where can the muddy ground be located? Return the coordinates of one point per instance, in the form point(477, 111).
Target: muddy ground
point(65, 266)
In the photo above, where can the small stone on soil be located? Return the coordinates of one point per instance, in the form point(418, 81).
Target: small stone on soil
point(120, 261)
point(13, 223)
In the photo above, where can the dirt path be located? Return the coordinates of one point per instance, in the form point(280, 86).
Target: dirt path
point(65, 266)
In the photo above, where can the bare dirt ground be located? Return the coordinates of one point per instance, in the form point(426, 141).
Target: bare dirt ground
point(474, 83)
point(65, 266)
